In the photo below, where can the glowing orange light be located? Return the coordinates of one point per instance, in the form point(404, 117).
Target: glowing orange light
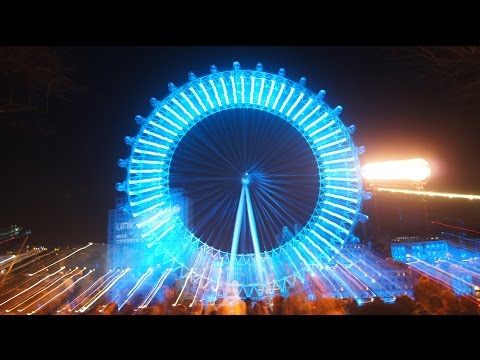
point(415, 170)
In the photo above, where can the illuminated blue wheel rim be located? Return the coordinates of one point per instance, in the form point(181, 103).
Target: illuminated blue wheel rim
point(331, 223)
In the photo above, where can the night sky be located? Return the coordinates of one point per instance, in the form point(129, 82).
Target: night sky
point(59, 169)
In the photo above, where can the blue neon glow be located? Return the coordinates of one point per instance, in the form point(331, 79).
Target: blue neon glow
point(310, 114)
point(234, 89)
point(313, 133)
point(154, 144)
point(252, 88)
point(145, 171)
point(324, 137)
point(166, 107)
point(295, 104)
point(175, 101)
point(289, 96)
point(278, 96)
point(205, 92)
point(145, 190)
point(147, 152)
point(262, 86)
point(242, 80)
point(150, 162)
point(189, 103)
point(168, 120)
point(333, 143)
point(302, 109)
point(272, 86)
point(158, 136)
point(225, 94)
point(308, 251)
point(163, 128)
point(216, 92)
point(198, 99)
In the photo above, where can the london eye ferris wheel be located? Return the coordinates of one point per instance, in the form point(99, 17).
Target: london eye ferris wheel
point(271, 173)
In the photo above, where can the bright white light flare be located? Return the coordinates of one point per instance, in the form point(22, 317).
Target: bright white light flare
point(415, 170)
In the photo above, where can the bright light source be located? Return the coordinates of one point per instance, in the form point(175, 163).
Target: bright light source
point(415, 170)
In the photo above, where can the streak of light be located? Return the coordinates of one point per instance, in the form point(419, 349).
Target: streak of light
point(31, 287)
point(455, 227)
point(155, 289)
point(61, 292)
point(432, 193)
point(108, 287)
point(56, 262)
point(198, 287)
point(39, 291)
point(7, 259)
point(137, 285)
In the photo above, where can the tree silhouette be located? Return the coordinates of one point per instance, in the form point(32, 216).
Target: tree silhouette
point(456, 67)
point(30, 76)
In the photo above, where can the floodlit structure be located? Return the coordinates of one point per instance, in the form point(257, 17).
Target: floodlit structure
point(330, 224)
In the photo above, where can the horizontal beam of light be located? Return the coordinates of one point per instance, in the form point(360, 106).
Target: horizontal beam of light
point(432, 193)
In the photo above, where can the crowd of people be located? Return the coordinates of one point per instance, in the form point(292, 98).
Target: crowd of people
point(430, 298)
